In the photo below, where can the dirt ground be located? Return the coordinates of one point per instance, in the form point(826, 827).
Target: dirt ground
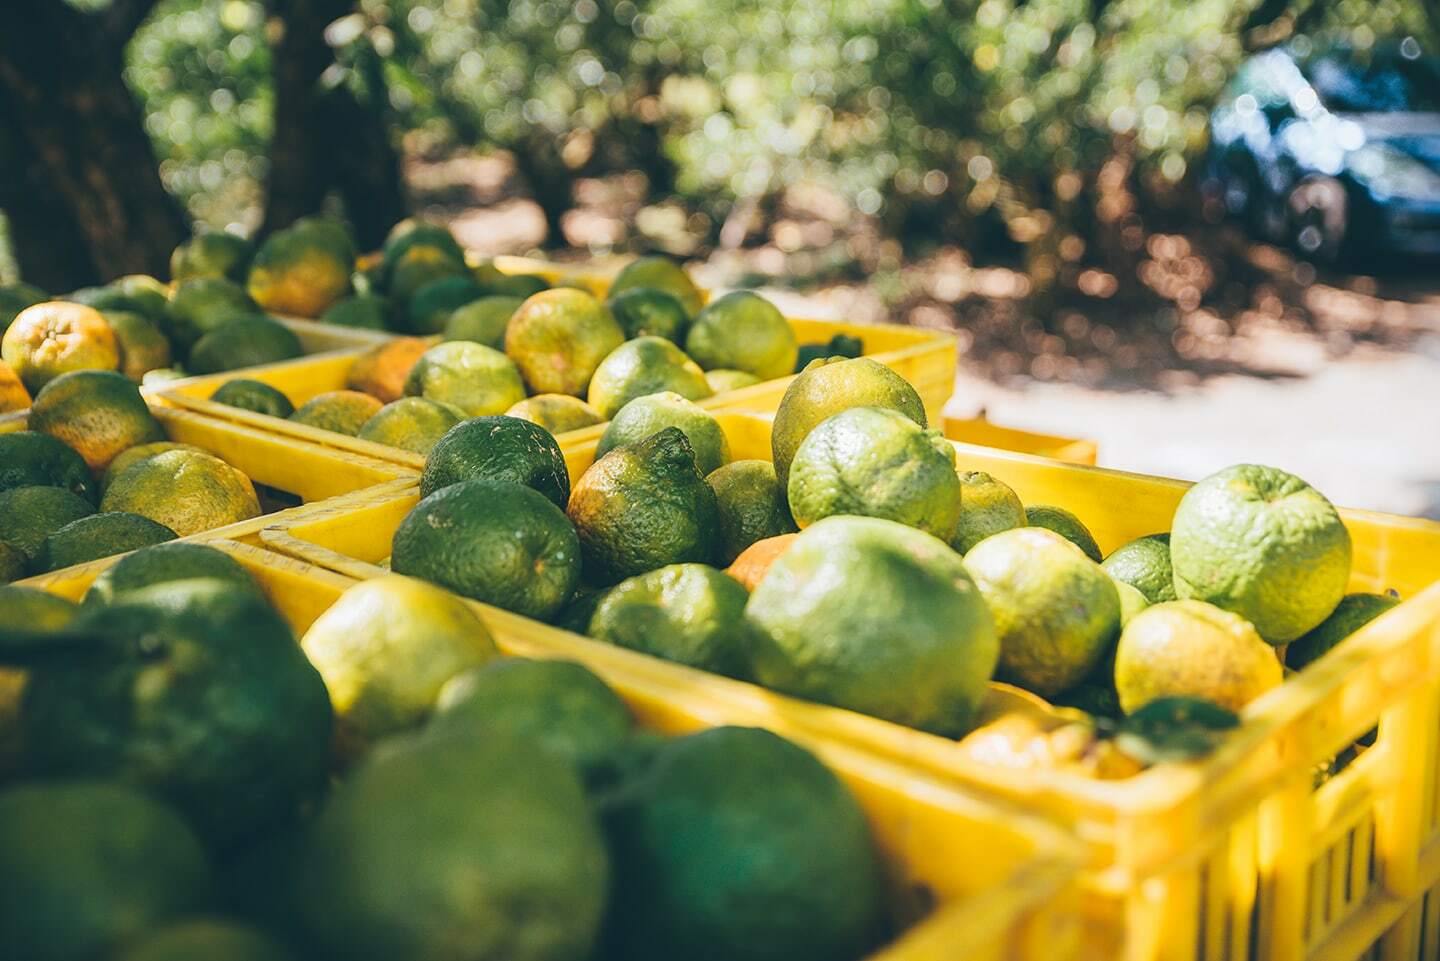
point(1225, 350)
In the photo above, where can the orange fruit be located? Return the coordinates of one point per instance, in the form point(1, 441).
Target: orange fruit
point(54, 338)
point(754, 561)
point(381, 371)
point(13, 395)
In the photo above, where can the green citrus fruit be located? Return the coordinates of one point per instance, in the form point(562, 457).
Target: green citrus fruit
point(211, 940)
point(28, 515)
point(647, 312)
point(91, 866)
point(302, 270)
point(730, 844)
point(743, 331)
point(1264, 544)
point(1144, 563)
point(213, 254)
point(691, 614)
point(501, 449)
point(431, 306)
point(479, 380)
point(1189, 648)
point(200, 305)
point(722, 380)
point(96, 413)
point(558, 337)
point(185, 490)
point(482, 321)
point(143, 346)
point(243, 342)
point(1067, 525)
point(99, 535)
point(387, 647)
point(30, 459)
point(1352, 613)
point(877, 617)
point(341, 411)
point(495, 541)
point(557, 413)
point(1132, 602)
point(1056, 611)
point(646, 365)
point(131, 456)
point(642, 506)
point(987, 506)
point(659, 273)
point(752, 505)
point(646, 415)
point(252, 395)
point(827, 387)
point(411, 423)
point(366, 311)
point(162, 564)
point(874, 462)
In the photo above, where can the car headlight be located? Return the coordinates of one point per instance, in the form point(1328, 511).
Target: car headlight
point(1388, 172)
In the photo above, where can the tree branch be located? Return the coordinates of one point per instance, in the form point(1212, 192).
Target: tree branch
point(123, 17)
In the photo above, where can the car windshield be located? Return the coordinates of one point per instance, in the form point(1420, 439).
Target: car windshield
point(1380, 82)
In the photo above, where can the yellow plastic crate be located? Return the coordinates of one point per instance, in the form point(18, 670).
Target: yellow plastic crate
point(1002, 884)
point(979, 431)
point(1231, 858)
point(309, 473)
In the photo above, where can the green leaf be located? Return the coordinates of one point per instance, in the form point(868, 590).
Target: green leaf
point(1175, 729)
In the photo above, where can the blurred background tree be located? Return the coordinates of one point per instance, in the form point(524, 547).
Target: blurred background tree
point(1050, 134)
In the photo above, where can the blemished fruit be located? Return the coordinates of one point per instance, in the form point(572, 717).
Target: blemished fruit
point(381, 371)
point(987, 506)
point(29, 458)
point(1188, 648)
point(99, 535)
point(431, 306)
point(303, 269)
point(722, 380)
point(133, 455)
point(558, 337)
point(557, 413)
point(659, 273)
point(454, 847)
point(644, 416)
point(479, 380)
point(96, 413)
point(28, 515)
point(1055, 610)
point(1144, 564)
point(142, 344)
point(13, 395)
point(646, 365)
point(54, 338)
point(366, 311)
point(494, 541)
point(877, 617)
point(875, 462)
point(691, 614)
point(162, 564)
point(743, 331)
point(252, 395)
point(187, 491)
point(200, 305)
point(643, 506)
point(482, 321)
point(754, 561)
point(341, 411)
point(218, 712)
point(648, 312)
point(752, 506)
point(243, 342)
point(502, 449)
point(89, 866)
point(1352, 613)
point(1264, 544)
point(211, 255)
point(387, 647)
point(411, 423)
point(732, 844)
point(560, 705)
point(212, 940)
point(1067, 525)
point(826, 388)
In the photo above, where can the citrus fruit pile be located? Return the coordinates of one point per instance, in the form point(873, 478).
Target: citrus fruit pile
point(95, 475)
point(182, 779)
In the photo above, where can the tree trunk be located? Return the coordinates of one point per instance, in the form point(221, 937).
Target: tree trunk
point(78, 175)
point(325, 139)
point(552, 187)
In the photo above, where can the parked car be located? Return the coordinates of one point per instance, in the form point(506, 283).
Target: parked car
point(1333, 150)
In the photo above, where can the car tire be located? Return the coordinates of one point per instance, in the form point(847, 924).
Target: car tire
point(1319, 215)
